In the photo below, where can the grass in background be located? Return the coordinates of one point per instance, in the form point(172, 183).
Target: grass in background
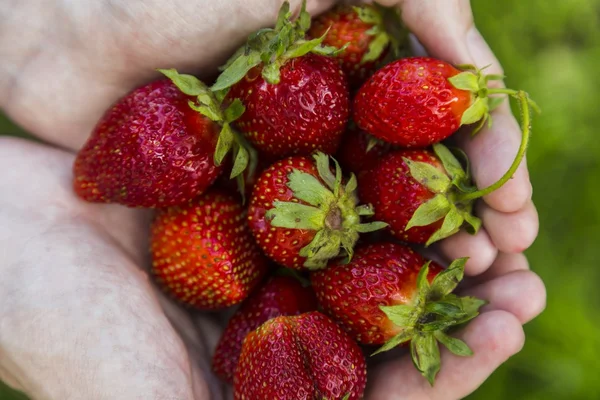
point(551, 50)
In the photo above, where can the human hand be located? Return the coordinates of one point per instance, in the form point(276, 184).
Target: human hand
point(98, 325)
point(497, 269)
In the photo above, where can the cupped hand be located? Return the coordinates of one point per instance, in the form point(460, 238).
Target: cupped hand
point(78, 315)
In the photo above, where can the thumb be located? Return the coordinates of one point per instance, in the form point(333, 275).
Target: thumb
point(440, 26)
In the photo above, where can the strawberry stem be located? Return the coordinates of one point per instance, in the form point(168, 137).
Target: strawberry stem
point(511, 92)
point(524, 104)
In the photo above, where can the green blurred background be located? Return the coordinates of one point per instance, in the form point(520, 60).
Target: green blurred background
point(552, 50)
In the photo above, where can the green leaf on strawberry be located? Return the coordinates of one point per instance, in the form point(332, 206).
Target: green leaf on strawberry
point(447, 184)
point(272, 47)
point(209, 104)
point(434, 311)
point(303, 212)
point(331, 210)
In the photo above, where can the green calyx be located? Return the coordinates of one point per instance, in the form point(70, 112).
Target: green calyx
point(381, 39)
point(388, 31)
point(475, 81)
point(448, 185)
point(209, 104)
point(331, 210)
point(455, 194)
point(434, 311)
point(273, 47)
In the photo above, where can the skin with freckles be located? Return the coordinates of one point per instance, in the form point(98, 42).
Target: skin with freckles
point(75, 303)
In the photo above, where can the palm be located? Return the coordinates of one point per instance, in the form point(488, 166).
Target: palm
point(103, 248)
point(86, 289)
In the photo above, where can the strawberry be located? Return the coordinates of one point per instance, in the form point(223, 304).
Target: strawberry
point(203, 254)
point(389, 295)
point(150, 149)
point(425, 195)
point(296, 98)
point(209, 104)
point(361, 31)
point(302, 215)
point(280, 295)
point(300, 357)
point(360, 151)
point(418, 101)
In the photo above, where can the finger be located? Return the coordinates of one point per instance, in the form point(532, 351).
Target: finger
point(479, 248)
point(491, 153)
point(504, 264)
point(128, 227)
point(440, 26)
point(199, 334)
point(122, 44)
point(494, 336)
point(511, 232)
point(521, 293)
point(447, 31)
point(196, 24)
point(87, 315)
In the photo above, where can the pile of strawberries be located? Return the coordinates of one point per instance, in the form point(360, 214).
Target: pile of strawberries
point(269, 187)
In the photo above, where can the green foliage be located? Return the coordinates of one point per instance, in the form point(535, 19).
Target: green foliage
point(8, 394)
point(551, 49)
point(7, 128)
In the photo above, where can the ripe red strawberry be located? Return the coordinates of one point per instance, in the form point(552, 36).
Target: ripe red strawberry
point(301, 357)
point(150, 149)
point(209, 104)
point(424, 195)
point(280, 295)
point(418, 101)
point(203, 254)
point(361, 29)
point(389, 295)
point(296, 98)
point(360, 151)
point(302, 215)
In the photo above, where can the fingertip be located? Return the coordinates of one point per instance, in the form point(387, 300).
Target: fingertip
point(495, 335)
point(511, 232)
point(521, 293)
point(479, 248)
point(539, 298)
